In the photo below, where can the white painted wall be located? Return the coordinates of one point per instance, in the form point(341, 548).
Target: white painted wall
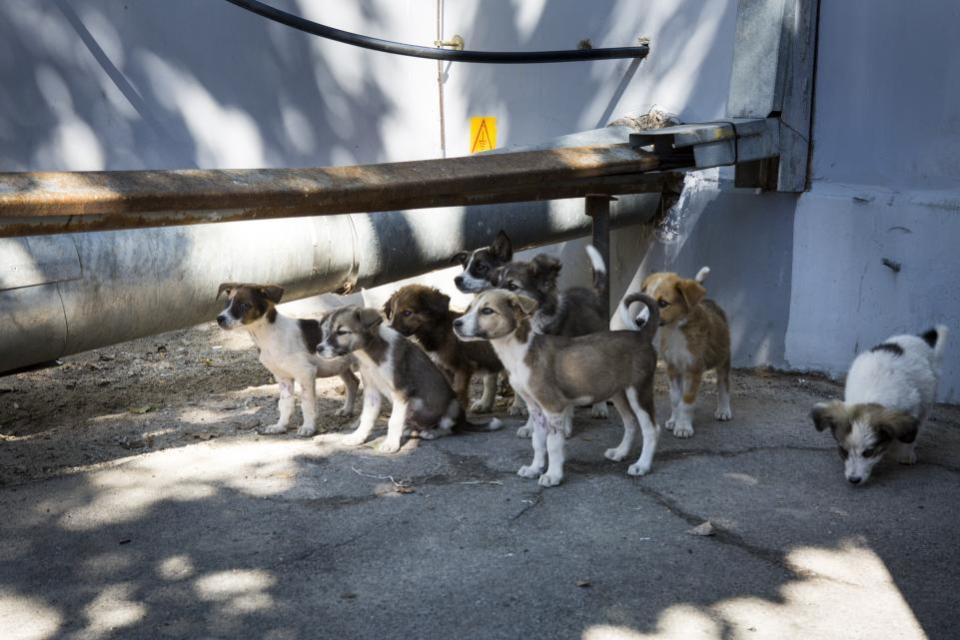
point(128, 84)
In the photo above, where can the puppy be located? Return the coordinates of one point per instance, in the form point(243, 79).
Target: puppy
point(556, 373)
point(287, 348)
point(391, 365)
point(887, 396)
point(576, 311)
point(424, 313)
point(694, 337)
point(479, 264)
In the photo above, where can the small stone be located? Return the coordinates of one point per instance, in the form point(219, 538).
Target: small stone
point(703, 529)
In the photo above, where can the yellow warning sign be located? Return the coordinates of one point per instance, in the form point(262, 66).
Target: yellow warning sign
point(483, 134)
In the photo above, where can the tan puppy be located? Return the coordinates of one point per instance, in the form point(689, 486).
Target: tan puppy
point(424, 313)
point(694, 337)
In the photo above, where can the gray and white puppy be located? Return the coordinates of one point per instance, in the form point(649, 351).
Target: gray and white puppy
point(554, 374)
point(287, 348)
point(575, 311)
point(393, 366)
point(887, 396)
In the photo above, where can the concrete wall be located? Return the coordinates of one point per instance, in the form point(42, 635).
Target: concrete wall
point(803, 276)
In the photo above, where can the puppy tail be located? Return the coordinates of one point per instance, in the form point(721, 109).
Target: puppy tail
point(599, 272)
point(936, 337)
point(702, 274)
point(650, 315)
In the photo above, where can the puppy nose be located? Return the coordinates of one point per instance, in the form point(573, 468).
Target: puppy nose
point(221, 320)
point(458, 323)
point(458, 280)
point(854, 480)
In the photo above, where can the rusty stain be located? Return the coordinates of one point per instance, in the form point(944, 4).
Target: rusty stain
point(38, 203)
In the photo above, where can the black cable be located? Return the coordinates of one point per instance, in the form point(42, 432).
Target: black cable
point(398, 48)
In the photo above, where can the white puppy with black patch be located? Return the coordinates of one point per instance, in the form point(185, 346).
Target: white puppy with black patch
point(888, 394)
point(287, 348)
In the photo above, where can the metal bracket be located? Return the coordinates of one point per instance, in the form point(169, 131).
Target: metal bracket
point(456, 42)
point(712, 144)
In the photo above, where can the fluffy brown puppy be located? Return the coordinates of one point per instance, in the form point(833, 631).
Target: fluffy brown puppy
point(424, 313)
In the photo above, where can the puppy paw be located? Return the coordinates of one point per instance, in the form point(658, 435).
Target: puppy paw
point(274, 429)
point(668, 425)
point(907, 457)
point(481, 407)
point(600, 410)
point(307, 431)
point(524, 432)
point(528, 471)
point(550, 480)
point(389, 447)
point(517, 410)
point(615, 454)
point(426, 434)
point(343, 412)
point(682, 430)
point(723, 414)
point(352, 440)
point(637, 469)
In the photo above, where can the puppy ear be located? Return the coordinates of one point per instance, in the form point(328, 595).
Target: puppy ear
point(388, 306)
point(228, 287)
point(899, 425)
point(692, 292)
point(369, 318)
point(437, 302)
point(502, 247)
point(546, 267)
point(524, 304)
point(272, 292)
point(461, 257)
point(829, 414)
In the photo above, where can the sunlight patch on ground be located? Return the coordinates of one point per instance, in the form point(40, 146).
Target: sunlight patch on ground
point(679, 621)
point(24, 618)
point(112, 609)
point(239, 591)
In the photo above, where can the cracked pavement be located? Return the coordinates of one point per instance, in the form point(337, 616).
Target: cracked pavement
point(277, 537)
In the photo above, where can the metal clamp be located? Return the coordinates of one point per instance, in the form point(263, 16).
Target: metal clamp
point(712, 144)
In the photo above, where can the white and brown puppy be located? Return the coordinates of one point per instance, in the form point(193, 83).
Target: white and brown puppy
point(694, 338)
point(479, 264)
point(887, 396)
point(575, 311)
point(424, 313)
point(392, 366)
point(287, 348)
point(556, 373)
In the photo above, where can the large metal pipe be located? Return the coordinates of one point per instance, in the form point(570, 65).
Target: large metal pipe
point(63, 294)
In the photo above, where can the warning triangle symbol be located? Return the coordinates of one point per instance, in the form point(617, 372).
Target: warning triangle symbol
point(482, 141)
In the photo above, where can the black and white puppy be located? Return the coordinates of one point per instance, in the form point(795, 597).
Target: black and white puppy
point(287, 348)
point(888, 394)
point(393, 366)
point(479, 264)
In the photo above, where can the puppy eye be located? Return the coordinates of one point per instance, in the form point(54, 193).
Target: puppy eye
point(482, 268)
point(342, 332)
point(843, 452)
point(512, 286)
point(869, 453)
point(407, 313)
point(486, 311)
point(243, 307)
point(663, 304)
